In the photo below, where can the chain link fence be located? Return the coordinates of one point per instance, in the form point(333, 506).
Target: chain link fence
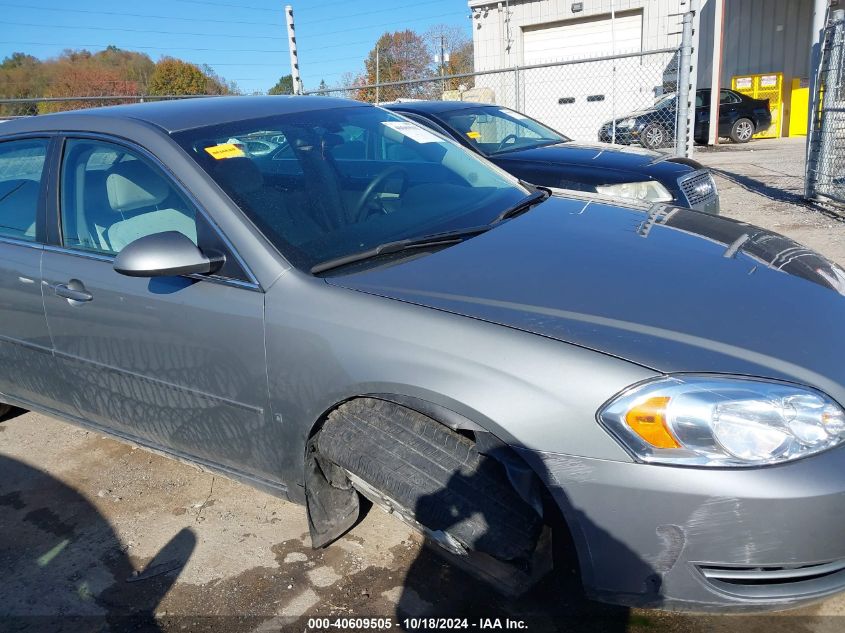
point(826, 158)
point(628, 99)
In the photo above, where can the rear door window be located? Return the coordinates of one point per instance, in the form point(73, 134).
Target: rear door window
point(727, 97)
point(21, 173)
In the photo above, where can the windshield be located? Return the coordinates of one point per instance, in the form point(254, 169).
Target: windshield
point(493, 130)
point(328, 183)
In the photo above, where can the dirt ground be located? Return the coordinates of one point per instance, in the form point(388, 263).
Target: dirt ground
point(97, 535)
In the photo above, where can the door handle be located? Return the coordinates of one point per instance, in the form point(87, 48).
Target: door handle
point(74, 290)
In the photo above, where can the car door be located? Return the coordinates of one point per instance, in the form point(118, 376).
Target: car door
point(175, 362)
point(26, 361)
point(729, 105)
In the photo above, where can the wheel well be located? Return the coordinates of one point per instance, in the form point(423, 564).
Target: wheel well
point(523, 481)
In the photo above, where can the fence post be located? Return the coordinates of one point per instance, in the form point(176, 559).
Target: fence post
point(682, 124)
point(818, 44)
point(516, 88)
point(826, 147)
point(294, 57)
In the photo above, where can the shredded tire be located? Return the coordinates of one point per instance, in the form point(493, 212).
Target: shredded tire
point(435, 473)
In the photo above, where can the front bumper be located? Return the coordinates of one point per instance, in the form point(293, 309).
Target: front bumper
point(696, 539)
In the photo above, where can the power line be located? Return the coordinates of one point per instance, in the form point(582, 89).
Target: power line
point(153, 31)
point(394, 23)
point(131, 15)
point(226, 4)
point(218, 35)
point(156, 48)
point(354, 15)
point(254, 8)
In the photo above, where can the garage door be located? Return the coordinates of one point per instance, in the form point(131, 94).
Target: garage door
point(577, 99)
point(576, 39)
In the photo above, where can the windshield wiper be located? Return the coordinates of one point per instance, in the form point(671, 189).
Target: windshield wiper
point(523, 205)
point(435, 239)
point(543, 143)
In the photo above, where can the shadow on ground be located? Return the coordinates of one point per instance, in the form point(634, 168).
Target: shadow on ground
point(63, 566)
point(435, 588)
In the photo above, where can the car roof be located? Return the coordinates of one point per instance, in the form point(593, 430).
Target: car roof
point(181, 114)
point(435, 107)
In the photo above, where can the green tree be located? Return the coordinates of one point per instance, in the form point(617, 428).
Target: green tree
point(283, 87)
point(176, 77)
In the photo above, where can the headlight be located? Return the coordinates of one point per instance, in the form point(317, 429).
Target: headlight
point(626, 123)
point(649, 190)
point(703, 420)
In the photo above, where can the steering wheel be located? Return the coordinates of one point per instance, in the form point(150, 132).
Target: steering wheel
point(505, 140)
point(362, 208)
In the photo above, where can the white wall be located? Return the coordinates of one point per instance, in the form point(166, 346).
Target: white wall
point(661, 24)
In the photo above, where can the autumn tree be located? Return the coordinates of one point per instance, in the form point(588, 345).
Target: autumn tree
point(133, 66)
point(283, 87)
point(20, 78)
point(80, 73)
point(109, 72)
point(402, 55)
point(176, 77)
point(217, 85)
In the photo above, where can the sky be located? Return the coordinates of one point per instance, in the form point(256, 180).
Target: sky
point(243, 41)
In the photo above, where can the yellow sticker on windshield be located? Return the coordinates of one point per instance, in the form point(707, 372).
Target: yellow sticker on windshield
point(474, 134)
point(225, 150)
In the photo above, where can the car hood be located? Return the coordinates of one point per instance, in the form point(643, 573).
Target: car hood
point(597, 155)
point(671, 289)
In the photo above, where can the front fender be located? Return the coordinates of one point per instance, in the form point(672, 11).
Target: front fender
point(326, 345)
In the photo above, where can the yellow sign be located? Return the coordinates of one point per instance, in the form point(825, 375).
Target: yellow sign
point(474, 134)
point(226, 150)
point(767, 86)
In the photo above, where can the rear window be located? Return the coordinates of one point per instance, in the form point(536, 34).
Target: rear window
point(21, 170)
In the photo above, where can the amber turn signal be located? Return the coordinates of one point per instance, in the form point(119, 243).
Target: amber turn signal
point(648, 420)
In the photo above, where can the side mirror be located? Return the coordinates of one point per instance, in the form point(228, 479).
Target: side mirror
point(165, 255)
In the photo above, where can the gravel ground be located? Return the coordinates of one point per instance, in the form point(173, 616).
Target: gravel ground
point(97, 535)
point(762, 183)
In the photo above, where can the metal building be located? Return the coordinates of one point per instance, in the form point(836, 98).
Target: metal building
point(766, 43)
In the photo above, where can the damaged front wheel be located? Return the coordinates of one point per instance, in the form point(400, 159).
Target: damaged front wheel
point(456, 490)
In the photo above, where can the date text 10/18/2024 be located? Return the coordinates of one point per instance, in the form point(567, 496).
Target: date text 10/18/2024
point(410, 624)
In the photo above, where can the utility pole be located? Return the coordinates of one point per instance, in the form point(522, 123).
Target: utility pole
point(716, 70)
point(613, 75)
point(378, 73)
point(441, 60)
point(682, 112)
point(816, 39)
point(294, 57)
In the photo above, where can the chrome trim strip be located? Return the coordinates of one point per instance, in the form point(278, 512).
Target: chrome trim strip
point(78, 253)
point(16, 242)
